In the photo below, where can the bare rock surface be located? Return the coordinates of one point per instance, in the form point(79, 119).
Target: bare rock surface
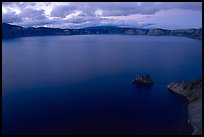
point(192, 91)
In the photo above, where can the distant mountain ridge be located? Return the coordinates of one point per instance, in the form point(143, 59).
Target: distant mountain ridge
point(9, 31)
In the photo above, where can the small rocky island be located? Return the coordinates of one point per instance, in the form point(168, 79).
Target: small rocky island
point(192, 91)
point(145, 80)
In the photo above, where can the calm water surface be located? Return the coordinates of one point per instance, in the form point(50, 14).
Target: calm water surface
point(82, 84)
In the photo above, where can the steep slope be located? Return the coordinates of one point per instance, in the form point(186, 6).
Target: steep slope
point(9, 31)
point(192, 91)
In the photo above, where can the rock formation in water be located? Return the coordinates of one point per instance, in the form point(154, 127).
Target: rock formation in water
point(192, 91)
point(146, 80)
point(9, 31)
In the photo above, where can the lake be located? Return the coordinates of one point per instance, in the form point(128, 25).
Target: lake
point(83, 84)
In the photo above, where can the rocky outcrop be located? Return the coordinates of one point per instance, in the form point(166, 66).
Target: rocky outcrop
point(158, 32)
point(191, 33)
point(146, 80)
point(9, 31)
point(192, 91)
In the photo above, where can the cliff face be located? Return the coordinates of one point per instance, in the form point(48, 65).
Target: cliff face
point(192, 91)
point(158, 32)
point(191, 33)
point(17, 31)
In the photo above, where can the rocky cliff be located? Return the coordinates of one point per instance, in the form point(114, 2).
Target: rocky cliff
point(192, 91)
point(9, 31)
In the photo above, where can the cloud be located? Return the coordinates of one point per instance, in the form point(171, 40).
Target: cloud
point(10, 17)
point(129, 8)
point(27, 17)
point(63, 10)
point(81, 14)
point(197, 6)
point(19, 4)
point(25, 14)
point(32, 14)
point(36, 23)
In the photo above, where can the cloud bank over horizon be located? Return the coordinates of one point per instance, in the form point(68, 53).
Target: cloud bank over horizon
point(168, 15)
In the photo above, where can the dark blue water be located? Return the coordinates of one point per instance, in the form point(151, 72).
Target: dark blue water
point(83, 84)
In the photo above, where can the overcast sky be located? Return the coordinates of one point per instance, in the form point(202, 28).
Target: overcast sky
point(168, 15)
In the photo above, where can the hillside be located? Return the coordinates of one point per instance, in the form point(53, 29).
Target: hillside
point(9, 31)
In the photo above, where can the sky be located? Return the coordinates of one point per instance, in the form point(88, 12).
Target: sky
point(166, 15)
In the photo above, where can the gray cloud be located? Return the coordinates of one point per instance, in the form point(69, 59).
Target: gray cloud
point(10, 17)
point(32, 14)
point(27, 17)
point(91, 13)
point(129, 8)
point(63, 10)
point(182, 5)
point(36, 23)
point(18, 4)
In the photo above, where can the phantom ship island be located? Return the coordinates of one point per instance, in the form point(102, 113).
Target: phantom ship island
point(143, 80)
